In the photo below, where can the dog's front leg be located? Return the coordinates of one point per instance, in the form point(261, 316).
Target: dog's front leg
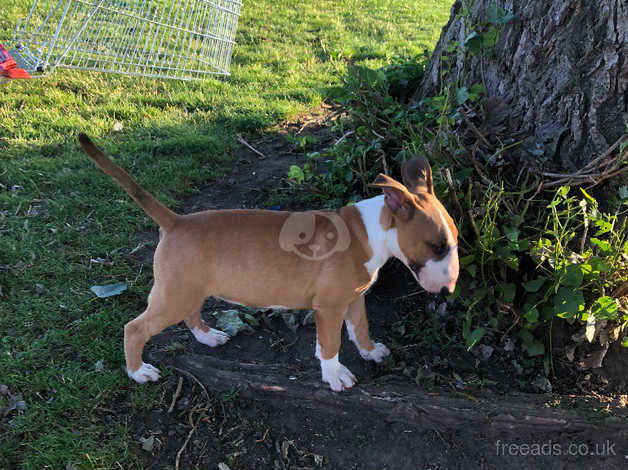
point(358, 329)
point(328, 329)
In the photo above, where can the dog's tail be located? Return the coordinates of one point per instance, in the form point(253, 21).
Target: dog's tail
point(164, 217)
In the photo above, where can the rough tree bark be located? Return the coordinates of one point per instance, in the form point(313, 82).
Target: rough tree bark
point(561, 66)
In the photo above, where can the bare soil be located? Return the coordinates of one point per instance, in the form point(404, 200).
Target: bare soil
point(471, 392)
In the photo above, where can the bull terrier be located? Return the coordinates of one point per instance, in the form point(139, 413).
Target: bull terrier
point(319, 260)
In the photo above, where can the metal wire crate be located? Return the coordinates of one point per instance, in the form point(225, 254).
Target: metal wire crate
point(182, 39)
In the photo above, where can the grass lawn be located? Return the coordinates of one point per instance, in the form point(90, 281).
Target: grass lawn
point(58, 212)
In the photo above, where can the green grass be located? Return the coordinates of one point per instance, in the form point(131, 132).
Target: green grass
point(58, 211)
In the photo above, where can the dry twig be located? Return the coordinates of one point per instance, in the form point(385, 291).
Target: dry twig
point(185, 372)
point(176, 395)
point(185, 444)
point(481, 174)
point(446, 175)
point(202, 415)
point(594, 172)
point(474, 129)
point(250, 147)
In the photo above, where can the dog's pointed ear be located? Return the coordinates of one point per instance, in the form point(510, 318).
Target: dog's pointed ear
point(417, 175)
point(396, 195)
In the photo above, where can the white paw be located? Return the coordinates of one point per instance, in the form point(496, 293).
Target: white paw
point(377, 354)
point(334, 373)
point(145, 373)
point(211, 338)
point(339, 378)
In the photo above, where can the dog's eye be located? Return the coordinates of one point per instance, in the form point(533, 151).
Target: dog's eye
point(440, 249)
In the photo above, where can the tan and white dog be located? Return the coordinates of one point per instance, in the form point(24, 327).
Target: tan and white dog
point(251, 257)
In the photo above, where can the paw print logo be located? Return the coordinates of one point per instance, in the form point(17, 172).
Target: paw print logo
point(314, 235)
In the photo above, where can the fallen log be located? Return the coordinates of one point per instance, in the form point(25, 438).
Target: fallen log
point(401, 402)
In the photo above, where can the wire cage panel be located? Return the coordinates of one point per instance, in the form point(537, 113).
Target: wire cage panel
point(181, 39)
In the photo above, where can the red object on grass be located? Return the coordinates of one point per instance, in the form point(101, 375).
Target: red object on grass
point(8, 66)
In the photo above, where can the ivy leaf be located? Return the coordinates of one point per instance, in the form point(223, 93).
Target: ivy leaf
point(532, 314)
point(604, 308)
point(568, 302)
point(467, 260)
point(535, 349)
point(534, 285)
point(477, 88)
point(296, 173)
point(496, 15)
point(474, 337)
point(571, 276)
point(229, 321)
point(508, 290)
point(598, 264)
point(480, 293)
point(473, 42)
point(586, 268)
point(508, 18)
point(512, 233)
point(462, 95)
point(349, 176)
point(530, 344)
point(290, 320)
point(490, 38)
point(472, 269)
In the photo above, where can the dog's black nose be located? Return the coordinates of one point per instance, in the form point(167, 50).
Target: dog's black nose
point(445, 291)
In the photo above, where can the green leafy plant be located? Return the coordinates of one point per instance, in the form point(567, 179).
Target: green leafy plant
point(574, 270)
point(485, 36)
point(580, 280)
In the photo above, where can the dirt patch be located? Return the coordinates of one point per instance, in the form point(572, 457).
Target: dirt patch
point(218, 425)
point(262, 163)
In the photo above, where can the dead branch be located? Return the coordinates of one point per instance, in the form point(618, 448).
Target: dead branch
point(475, 130)
point(250, 147)
point(403, 404)
point(176, 395)
point(185, 444)
point(446, 175)
point(481, 174)
point(598, 170)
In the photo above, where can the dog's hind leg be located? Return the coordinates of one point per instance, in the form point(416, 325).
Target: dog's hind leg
point(203, 334)
point(358, 329)
point(162, 312)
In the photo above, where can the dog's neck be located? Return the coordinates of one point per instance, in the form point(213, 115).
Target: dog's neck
point(382, 241)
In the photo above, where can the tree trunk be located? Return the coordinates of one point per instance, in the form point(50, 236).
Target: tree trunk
point(560, 66)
